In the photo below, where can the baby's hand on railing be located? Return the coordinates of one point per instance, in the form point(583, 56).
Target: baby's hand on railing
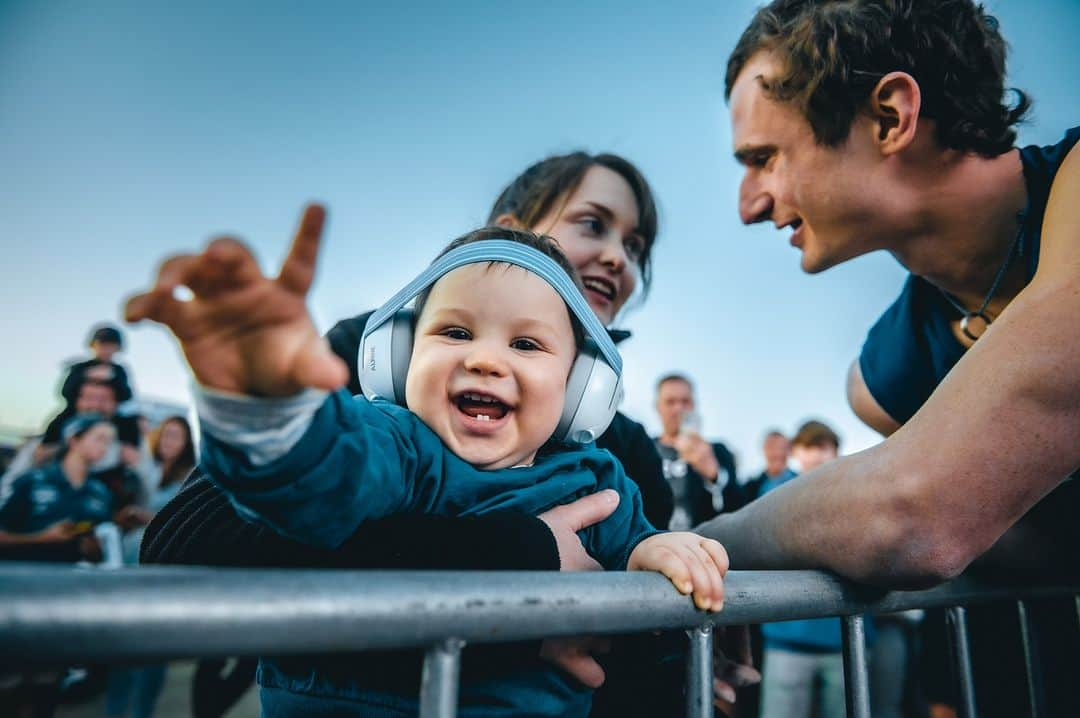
point(694, 564)
point(240, 331)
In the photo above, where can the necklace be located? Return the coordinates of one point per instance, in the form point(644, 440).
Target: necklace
point(980, 313)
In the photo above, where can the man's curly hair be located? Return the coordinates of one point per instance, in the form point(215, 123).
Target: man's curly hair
point(835, 51)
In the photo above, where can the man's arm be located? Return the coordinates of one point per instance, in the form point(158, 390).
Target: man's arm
point(995, 437)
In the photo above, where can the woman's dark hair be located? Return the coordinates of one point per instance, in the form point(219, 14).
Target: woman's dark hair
point(541, 243)
point(185, 462)
point(538, 190)
point(834, 52)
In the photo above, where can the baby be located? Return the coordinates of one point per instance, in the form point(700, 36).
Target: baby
point(493, 347)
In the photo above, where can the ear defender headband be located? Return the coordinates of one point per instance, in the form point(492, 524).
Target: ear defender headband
point(594, 387)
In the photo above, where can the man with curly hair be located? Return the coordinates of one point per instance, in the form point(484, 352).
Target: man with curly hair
point(870, 125)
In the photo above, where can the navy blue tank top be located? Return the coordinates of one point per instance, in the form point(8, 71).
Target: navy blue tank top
point(911, 347)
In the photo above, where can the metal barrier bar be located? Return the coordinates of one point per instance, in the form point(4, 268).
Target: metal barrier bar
point(439, 680)
point(55, 615)
point(961, 650)
point(1030, 638)
point(856, 669)
point(699, 673)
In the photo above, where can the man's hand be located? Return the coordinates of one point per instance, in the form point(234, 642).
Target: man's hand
point(565, 521)
point(575, 656)
point(694, 564)
point(242, 332)
point(699, 455)
point(733, 665)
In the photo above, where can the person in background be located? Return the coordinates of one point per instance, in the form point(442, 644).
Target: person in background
point(803, 672)
point(701, 474)
point(776, 449)
point(49, 514)
point(172, 457)
point(106, 342)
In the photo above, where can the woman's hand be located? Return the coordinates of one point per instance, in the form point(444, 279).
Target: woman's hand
point(694, 564)
point(565, 521)
point(574, 654)
point(240, 331)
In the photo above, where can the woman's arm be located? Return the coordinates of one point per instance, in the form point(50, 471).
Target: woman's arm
point(200, 526)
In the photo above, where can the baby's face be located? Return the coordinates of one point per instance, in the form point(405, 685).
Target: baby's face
point(492, 351)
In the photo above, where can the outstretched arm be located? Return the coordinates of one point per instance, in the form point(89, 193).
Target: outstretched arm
point(994, 438)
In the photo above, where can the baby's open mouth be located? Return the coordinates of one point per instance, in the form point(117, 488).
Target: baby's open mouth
point(482, 407)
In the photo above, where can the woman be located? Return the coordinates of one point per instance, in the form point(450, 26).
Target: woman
point(49, 515)
point(601, 211)
point(172, 457)
point(50, 512)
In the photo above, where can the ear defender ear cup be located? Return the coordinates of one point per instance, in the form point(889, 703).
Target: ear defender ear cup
point(593, 394)
point(383, 359)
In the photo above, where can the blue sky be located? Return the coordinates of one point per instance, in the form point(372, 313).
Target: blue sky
point(129, 130)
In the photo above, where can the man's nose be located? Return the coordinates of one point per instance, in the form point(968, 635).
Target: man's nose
point(755, 203)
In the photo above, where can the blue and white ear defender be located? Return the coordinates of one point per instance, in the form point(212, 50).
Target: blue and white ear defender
point(594, 388)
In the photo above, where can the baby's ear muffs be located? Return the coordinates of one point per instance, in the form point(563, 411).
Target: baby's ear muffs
point(383, 359)
point(593, 394)
point(593, 389)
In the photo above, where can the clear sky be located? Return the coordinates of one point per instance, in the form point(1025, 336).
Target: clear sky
point(130, 129)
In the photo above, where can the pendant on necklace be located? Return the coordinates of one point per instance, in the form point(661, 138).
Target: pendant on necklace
point(981, 323)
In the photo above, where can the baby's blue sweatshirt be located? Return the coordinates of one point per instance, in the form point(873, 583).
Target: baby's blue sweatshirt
point(361, 460)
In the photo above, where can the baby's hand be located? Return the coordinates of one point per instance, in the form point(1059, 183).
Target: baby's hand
point(692, 562)
point(240, 331)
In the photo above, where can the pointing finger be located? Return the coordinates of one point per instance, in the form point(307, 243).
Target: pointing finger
point(298, 271)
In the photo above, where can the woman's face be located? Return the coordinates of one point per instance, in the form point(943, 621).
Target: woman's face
point(94, 442)
point(171, 441)
point(597, 229)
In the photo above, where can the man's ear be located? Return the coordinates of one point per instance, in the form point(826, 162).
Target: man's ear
point(509, 221)
point(894, 108)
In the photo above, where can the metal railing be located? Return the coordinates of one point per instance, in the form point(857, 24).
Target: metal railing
point(53, 615)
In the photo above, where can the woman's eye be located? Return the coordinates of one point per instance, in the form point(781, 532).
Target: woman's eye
point(635, 248)
point(527, 345)
point(593, 225)
point(455, 333)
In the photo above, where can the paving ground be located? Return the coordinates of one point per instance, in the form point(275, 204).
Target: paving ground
point(175, 701)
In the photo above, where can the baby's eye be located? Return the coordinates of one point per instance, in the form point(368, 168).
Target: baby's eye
point(525, 345)
point(455, 333)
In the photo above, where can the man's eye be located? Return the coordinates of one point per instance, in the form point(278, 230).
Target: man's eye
point(526, 345)
point(455, 333)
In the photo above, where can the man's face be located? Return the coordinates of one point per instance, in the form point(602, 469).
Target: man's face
point(673, 399)
point(105, 351)
point(98, 398)
point(824, 195)
point(811, 457)
point(776, 450)
point(493, 349)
